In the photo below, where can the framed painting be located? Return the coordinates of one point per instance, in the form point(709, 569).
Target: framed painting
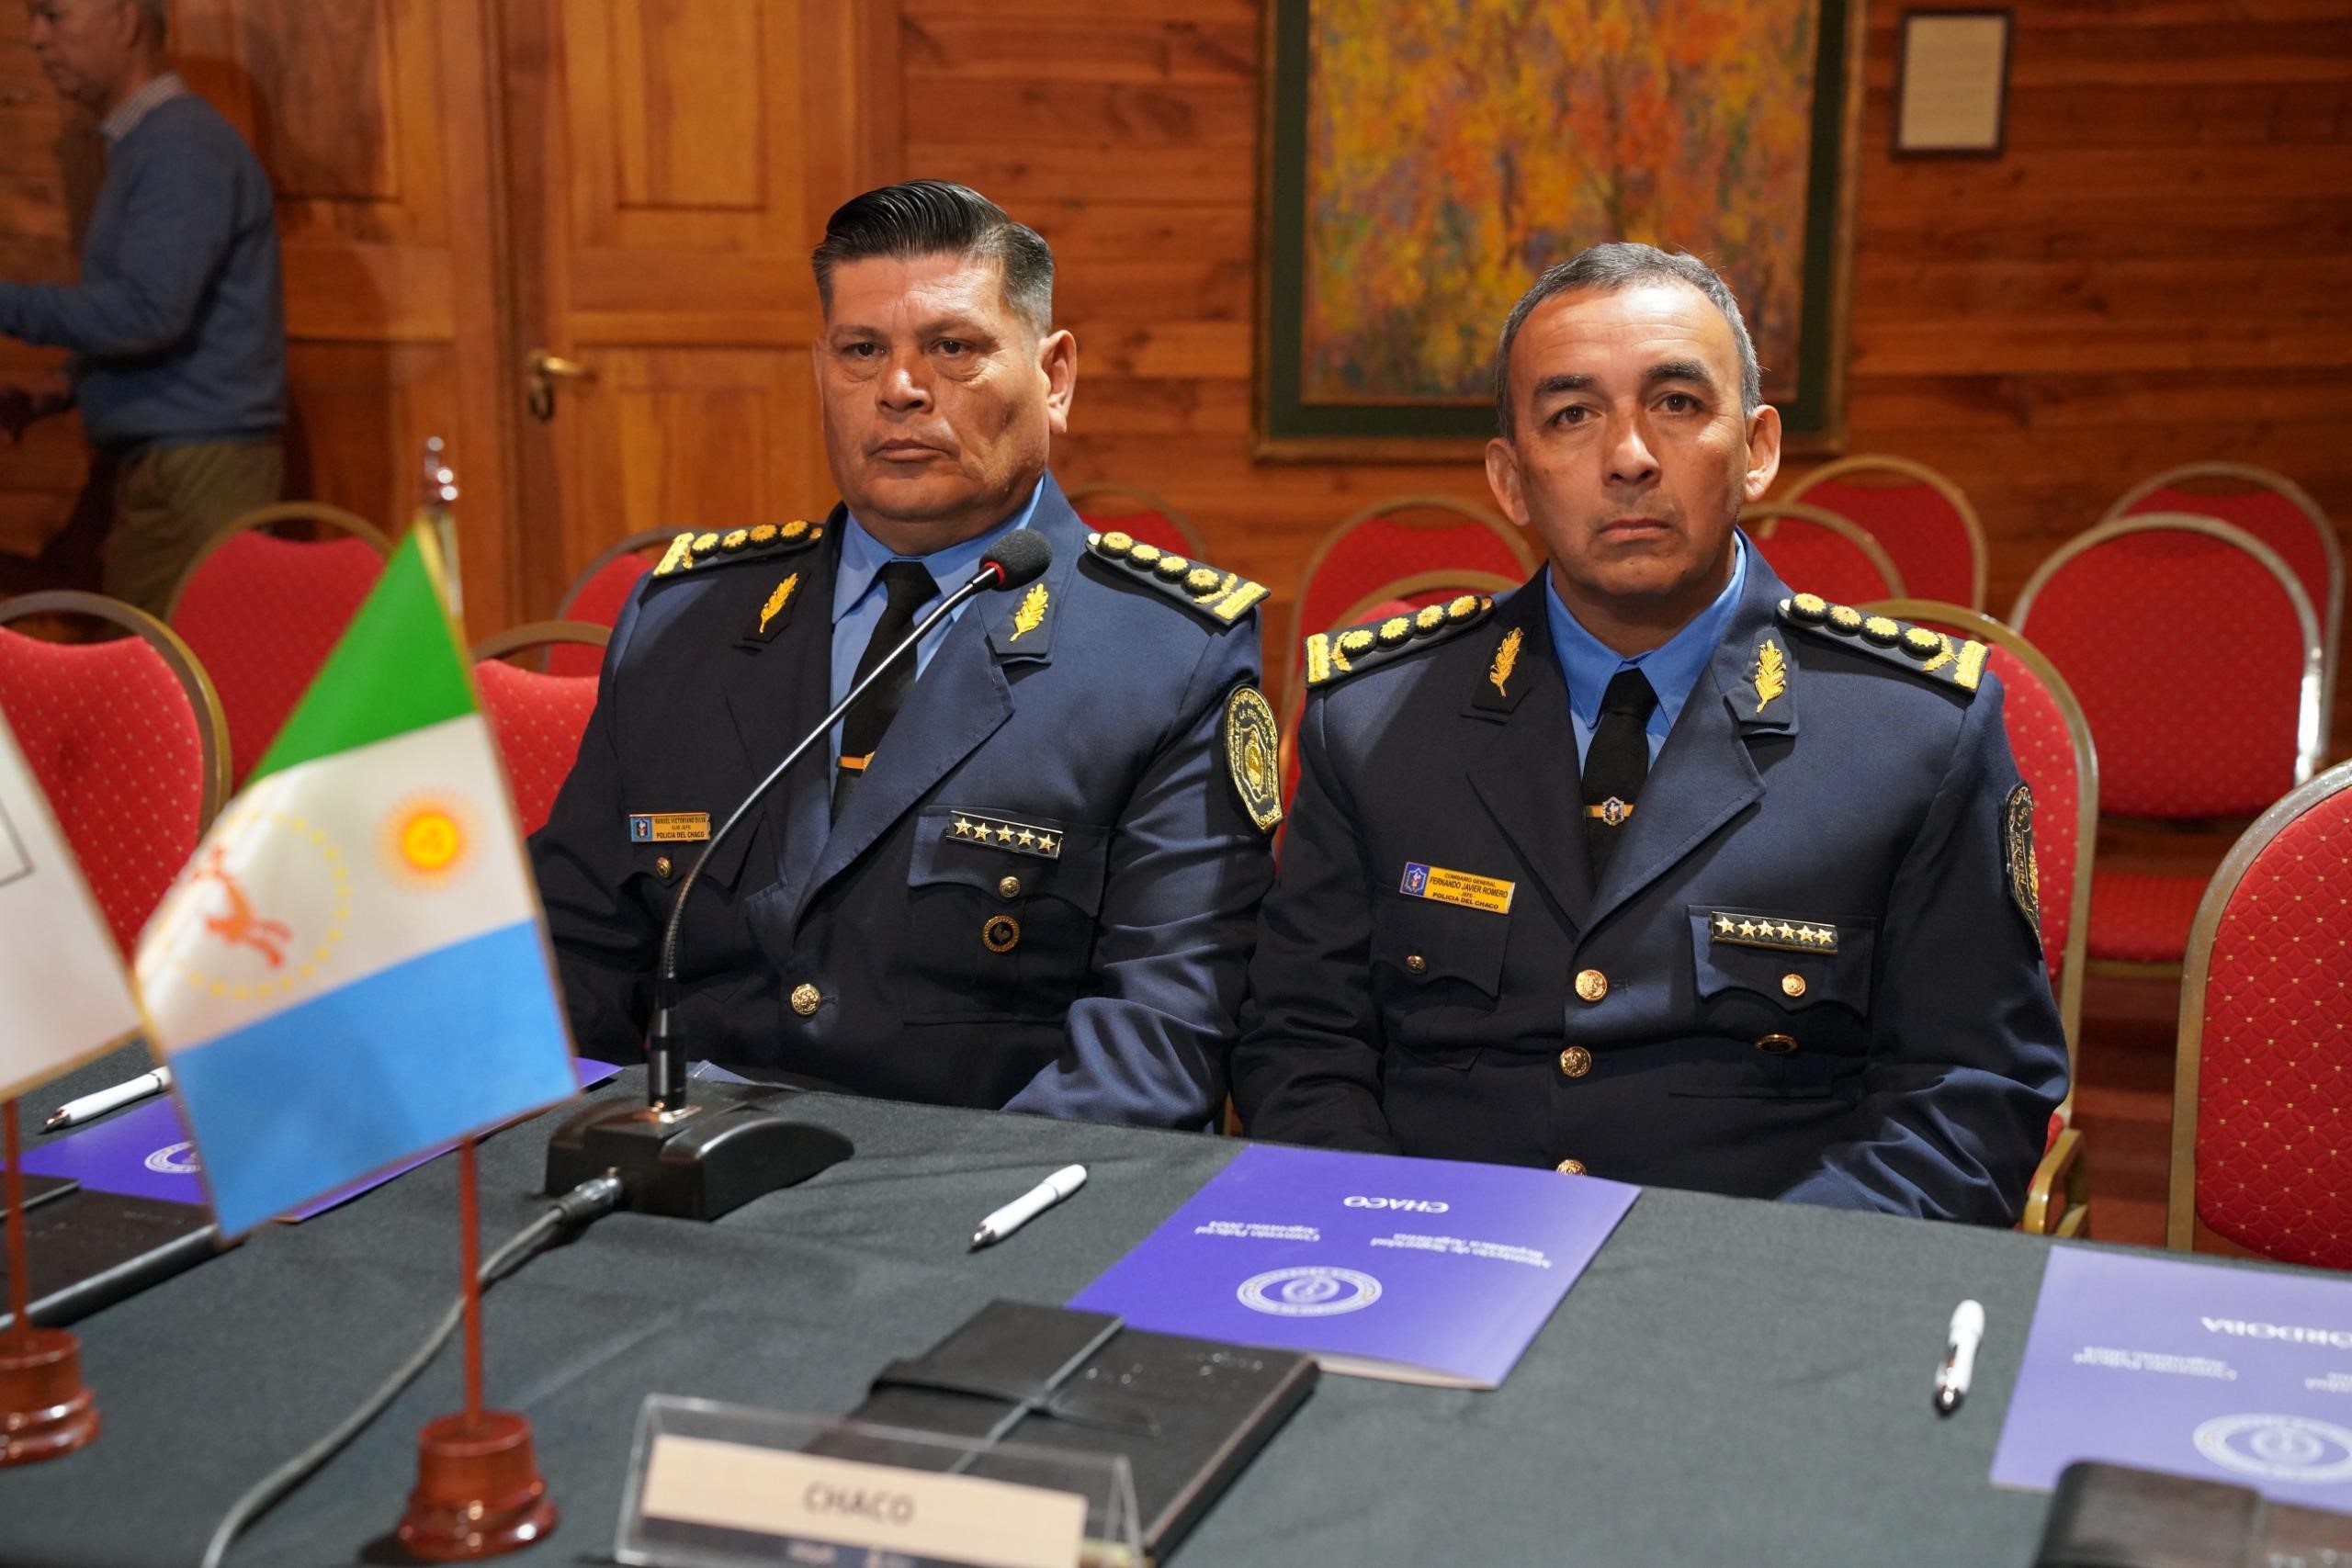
point(1424, 160)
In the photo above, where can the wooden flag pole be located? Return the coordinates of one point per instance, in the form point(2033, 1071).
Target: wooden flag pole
point(45, 1411)
point(478, 1491)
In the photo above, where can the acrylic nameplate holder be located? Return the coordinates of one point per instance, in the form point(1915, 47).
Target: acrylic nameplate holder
point(716, 1485)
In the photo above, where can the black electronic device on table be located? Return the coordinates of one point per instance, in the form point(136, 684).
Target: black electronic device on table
point(88, 1249)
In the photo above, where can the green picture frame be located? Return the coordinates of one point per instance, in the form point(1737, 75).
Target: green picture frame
point(1305, 411)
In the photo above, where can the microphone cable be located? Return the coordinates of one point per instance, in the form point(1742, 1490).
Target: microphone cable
point(591, 1201)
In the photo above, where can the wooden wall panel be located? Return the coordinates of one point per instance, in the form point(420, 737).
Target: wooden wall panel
point(2155, 271)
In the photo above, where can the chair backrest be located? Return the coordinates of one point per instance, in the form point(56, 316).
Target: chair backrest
point(2196, 657)
point(1392, 540)
point(2262, 1093)
point(1401, 597)
point(1816, 551)
point(2051, 741)
point(263, 613)
point(1140, 515)
point(2274, 509)
point(537, 718)
point(601, 591)
point(1922, 520)
point(126, 738)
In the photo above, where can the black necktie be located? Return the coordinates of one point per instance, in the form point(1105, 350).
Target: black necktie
point(909, 587)
point(1615, 762)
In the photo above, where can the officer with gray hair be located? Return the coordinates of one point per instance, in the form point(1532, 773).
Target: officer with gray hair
point(1656, 867)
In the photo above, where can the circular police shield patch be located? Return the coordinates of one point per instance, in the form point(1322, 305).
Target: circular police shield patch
point(1252, 755)
point(1308, 1292)
point(2279, 1448)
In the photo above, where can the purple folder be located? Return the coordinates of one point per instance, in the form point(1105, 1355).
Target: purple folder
point(1419, 1270)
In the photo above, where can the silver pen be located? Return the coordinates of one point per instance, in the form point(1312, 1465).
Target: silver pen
point(90, 1107)
point(1960, 1341)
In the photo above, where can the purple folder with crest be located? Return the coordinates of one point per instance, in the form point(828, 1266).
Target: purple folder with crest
point(2242, 1375)
point(1419, 1271)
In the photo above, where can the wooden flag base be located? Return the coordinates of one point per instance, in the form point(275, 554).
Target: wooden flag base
point(45, 1411)
point(479, 1491)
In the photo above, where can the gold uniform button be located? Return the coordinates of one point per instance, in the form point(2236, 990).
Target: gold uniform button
point(1592, 985)
point(1416, 963)
point(1001, 933)
point(1576, 1061)
point(661, 865)
point(1792, 986)
point(1009, 888)
point(1570, 1167)
point(806, 998)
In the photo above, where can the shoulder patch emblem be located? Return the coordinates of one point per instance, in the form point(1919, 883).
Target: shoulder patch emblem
point(1330, 655)
point(763, 541)
point(1922, 650)
point(1222, 596)
point(2024, 867)
point(1252, 755)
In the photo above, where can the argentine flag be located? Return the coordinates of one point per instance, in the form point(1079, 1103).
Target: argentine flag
point(354, 967)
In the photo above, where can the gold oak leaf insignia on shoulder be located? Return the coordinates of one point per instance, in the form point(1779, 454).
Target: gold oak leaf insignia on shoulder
point(1223, 597)
point(1939, 657)
point(691, 552)
point(1332, 656)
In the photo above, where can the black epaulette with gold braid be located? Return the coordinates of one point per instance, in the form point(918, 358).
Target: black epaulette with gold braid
point(1222, 596)
point(1351, 651)
point(1922, 650)
point(695, 552)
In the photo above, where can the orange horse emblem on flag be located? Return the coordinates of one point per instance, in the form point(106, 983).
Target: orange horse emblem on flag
point(240, 927)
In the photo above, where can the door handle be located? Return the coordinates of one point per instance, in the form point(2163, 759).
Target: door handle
point(545, 370)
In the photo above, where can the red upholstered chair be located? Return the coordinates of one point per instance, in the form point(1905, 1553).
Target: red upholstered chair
point(1140, 515)
point(2262, 1098)
point(598, 594)
point(2274, 509)
point(1401, 597)
point(262, 612)
point(537, 718)
point(1392, 540)
point(2053, 744)
point(1816, 551)
point(1922, 519)
point(2196, 656)
point(126, 738)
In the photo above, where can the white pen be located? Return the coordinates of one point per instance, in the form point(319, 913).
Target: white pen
point(90, 1107)
point(1959, 1356)
point(1029, 1205)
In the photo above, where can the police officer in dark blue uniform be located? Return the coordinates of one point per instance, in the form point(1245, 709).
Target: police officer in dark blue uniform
point(1025, 872)
point(1656, 869)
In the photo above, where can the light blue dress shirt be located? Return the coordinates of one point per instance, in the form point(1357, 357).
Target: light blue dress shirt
point(859, 599)
point(1672, 667)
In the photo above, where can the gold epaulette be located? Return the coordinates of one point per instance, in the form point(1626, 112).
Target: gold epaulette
point(1351, 651)
point(1222, 596)
point(1922, 650)
point(693, 552)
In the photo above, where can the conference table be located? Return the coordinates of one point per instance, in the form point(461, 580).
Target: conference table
point(1730, 1382)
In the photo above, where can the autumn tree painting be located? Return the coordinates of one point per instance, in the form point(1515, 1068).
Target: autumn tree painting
point(1455, 148)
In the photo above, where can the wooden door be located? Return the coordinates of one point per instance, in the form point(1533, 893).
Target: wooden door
point(376, 121)
point(673, 165)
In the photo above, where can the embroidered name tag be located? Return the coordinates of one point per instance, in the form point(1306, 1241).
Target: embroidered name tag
point(1021, 838)
point(1779, 935)
point(1491, 894)
point(668, 827)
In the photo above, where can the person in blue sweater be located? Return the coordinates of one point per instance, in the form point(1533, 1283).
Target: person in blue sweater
point(177, 325)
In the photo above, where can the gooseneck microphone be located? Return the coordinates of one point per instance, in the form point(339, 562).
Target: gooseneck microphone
point(670, 1159)
point(1015, 560)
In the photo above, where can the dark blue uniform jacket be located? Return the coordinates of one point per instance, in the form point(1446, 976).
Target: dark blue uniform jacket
point(874, 951)
point(1912, 1069)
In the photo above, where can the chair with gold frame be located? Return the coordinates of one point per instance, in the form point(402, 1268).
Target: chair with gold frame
point(597, 596)
point(1814, 550)
point(538, 717)
point(1141, 515)
point(1922, 519)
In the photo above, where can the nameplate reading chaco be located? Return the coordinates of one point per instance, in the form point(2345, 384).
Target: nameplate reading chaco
point(1779, 933)
point(668, 827)
point(804, 1504)
point(1491, 894)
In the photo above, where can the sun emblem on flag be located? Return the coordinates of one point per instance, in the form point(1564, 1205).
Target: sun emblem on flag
point(427, 839)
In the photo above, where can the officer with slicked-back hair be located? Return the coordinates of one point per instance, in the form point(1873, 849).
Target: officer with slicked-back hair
point(1656, 868)
point(1024, 871)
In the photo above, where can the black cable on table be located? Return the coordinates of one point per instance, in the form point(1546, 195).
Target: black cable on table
point(591, 1200)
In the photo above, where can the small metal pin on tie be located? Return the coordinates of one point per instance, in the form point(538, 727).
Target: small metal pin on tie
point(1960, 1341)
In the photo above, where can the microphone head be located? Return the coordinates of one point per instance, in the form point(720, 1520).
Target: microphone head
point(1021, 557)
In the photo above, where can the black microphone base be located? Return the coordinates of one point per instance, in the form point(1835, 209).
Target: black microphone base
point(707, 1162)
